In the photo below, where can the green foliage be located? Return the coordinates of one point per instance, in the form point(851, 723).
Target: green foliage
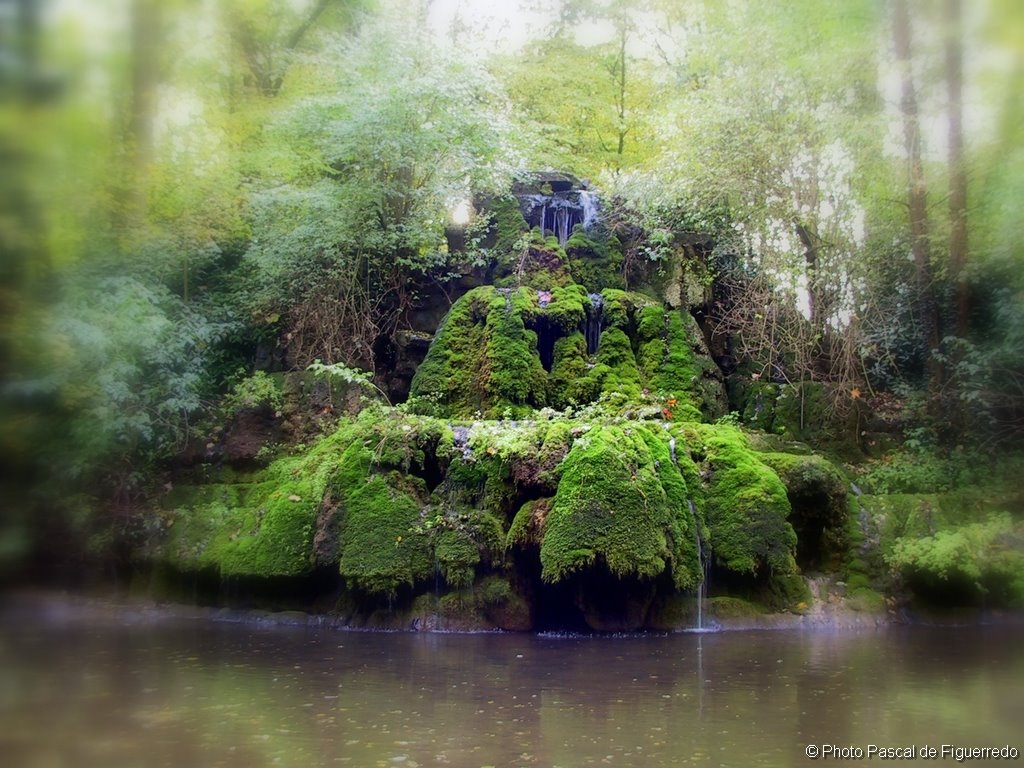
point(370, 173)
point(925, 470)
point(508, 228)
point(986, 558)
point(258, 391)
point(121, 364)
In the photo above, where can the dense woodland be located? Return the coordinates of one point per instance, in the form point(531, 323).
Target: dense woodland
point(208, 205)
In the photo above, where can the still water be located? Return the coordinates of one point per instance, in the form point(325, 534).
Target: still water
point(182, 692)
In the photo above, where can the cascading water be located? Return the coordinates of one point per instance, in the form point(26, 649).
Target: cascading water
point(592, 332)
point(705, 562)
point(588, 202)
point(561, 209)
point(702, 589)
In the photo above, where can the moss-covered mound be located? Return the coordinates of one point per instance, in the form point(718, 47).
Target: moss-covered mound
point(622, 504)
point(400, 505)
point(747, 505)
point(505, 351)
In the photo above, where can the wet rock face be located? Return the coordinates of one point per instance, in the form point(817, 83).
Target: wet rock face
point(556, 203)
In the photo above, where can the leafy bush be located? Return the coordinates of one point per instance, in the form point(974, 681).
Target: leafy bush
point(254, 392)
point(984, 559)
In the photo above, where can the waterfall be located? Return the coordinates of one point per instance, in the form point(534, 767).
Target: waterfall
point(702, 589)
point(563, 217)
point(588, 202)
point(561, 209)
point(593, 327)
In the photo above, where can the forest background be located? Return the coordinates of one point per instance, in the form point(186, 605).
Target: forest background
point(189, 182)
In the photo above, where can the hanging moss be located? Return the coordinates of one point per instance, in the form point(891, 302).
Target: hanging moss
point(514, 375)
point(527, 527)
point(611, 509)
point(616, 371)
point(619, 307)
point(448, 380)
point(567, 310)
point(570, 382)
point(747, 507)
point(379, 550)
point(483, 358)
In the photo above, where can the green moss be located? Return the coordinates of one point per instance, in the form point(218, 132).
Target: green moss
point(618, 308)
point(511, 366)
point(818, 498)
point(732, 608)
point(758, 404)
point(502, 605)
point(788, 592)
point(379, 551)
point(462, 539)
point(595, 259)
point(612, 510)
point(864, 599)
point(527, 527)
point(677, 374)
point(570, 382)
point(801, 411)
point(457, 557)
point(567, 310)
point(616, 366)
point(450, 375)
point(483, 357)
point(747, 506)
point(507, 226)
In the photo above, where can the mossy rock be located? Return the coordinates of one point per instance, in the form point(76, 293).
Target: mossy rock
point(489, 356)
point(483, 358)
point(595, 259)
point(726, 607)
point(747, 507)
point(612, 511)
point(865, 599)
point(379, 553)
point(503, 605)
point(818, 499)
point(788, 592)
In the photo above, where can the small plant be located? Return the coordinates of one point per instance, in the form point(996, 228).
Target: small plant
point(253, 392)
point(731, 419)
point(348, 375)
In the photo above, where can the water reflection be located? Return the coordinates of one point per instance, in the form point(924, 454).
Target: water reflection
point(194, 693)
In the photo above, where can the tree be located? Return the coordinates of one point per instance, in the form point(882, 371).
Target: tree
point(374, 163)
point(957, 165)
point(917, 197)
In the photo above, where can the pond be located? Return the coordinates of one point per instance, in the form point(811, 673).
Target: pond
point(180, 692)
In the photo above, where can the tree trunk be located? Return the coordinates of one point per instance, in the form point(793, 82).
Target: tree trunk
point(145, 77)
point(917, 200)
point(957, 168)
